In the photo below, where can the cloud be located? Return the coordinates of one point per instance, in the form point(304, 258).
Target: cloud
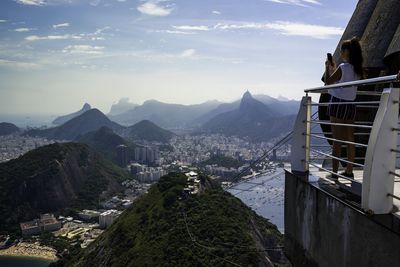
point(52, 37)
point(308, 30)
point(188, 53)
point(31, 2)
point(288, 28)
point(61, 25)
point(216, 12)
point(18, 64)
point(3, 20)
point(42, 2)
point(172, 32)
point(153, 8)
point(303, 3)
point(192, 28)
point(83, 49)
point(283, 27)
point(22, 29)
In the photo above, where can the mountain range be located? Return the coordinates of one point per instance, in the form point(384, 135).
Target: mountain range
point(165, 115)
point(93, 120)
point(52, 178)
point(173, 116)
point(257, 117)
point(280, 105)
point(165, 228)
point(252, 119)
point(63, 119)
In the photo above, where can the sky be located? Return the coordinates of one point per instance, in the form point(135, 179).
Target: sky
point(56, 55)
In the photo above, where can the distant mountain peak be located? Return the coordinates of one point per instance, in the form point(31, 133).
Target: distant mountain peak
point(247, 95)
point(248, 101)
point(123, 105)
point(86, 107)
point(63, 119)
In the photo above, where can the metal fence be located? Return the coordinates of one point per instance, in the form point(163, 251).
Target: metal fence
point(375, 166)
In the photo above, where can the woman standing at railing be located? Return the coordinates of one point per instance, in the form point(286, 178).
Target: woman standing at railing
point(339, 112)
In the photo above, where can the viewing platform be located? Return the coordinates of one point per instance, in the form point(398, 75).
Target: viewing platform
point(348, 221)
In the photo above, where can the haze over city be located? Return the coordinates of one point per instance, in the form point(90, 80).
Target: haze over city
point(57, 54)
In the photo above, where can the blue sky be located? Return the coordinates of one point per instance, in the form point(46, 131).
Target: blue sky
point(57, 54)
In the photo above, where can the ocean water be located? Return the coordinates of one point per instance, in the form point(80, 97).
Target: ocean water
point(11, 261)
point(265, 196)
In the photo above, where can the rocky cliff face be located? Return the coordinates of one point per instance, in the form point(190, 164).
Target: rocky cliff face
point(52, 178)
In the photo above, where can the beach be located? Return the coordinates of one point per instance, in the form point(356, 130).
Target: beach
point(30, 250)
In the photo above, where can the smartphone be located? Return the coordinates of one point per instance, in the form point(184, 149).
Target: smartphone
point(330, 58)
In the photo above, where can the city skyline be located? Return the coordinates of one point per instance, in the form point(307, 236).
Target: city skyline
point(57, 54)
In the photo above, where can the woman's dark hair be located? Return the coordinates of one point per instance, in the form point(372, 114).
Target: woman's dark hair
point(355, 55)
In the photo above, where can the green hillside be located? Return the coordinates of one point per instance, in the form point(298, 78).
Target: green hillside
point(163, 229)
point(52, 178)
point(222, 161)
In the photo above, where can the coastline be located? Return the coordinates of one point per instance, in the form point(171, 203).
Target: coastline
point(24, 249)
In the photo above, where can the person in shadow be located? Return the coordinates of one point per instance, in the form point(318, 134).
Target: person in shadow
point(341, 110)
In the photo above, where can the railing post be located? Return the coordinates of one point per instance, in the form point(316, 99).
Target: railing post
point(380, 160)
point(300, 153)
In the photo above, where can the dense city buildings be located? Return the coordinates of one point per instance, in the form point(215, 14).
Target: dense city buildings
point(198, 148)
point(13, 146)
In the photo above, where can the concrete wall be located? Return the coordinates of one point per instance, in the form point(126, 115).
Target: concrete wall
point(323, 230)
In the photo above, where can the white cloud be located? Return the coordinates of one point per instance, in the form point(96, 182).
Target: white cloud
point(216, 12)
point(22, 29)
point(188, 53)
point(18, 64)
point(31, 2)
point(3, 20)
point(192, 28)
point(289, 28)
point(61, 25)
point(52, 37)
point(42, 2)
point(172, 32)
point(297, 2)
point(283, 27)
point(308, 30)
point(153, 8)
point(83, 49)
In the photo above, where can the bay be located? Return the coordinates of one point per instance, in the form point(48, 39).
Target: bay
point(14, 261)
point(265, 195)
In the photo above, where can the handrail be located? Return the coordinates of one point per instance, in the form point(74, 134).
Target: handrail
point(379, 80)
point(378, 166)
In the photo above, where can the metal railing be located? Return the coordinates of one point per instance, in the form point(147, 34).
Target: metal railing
point(377, 168)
